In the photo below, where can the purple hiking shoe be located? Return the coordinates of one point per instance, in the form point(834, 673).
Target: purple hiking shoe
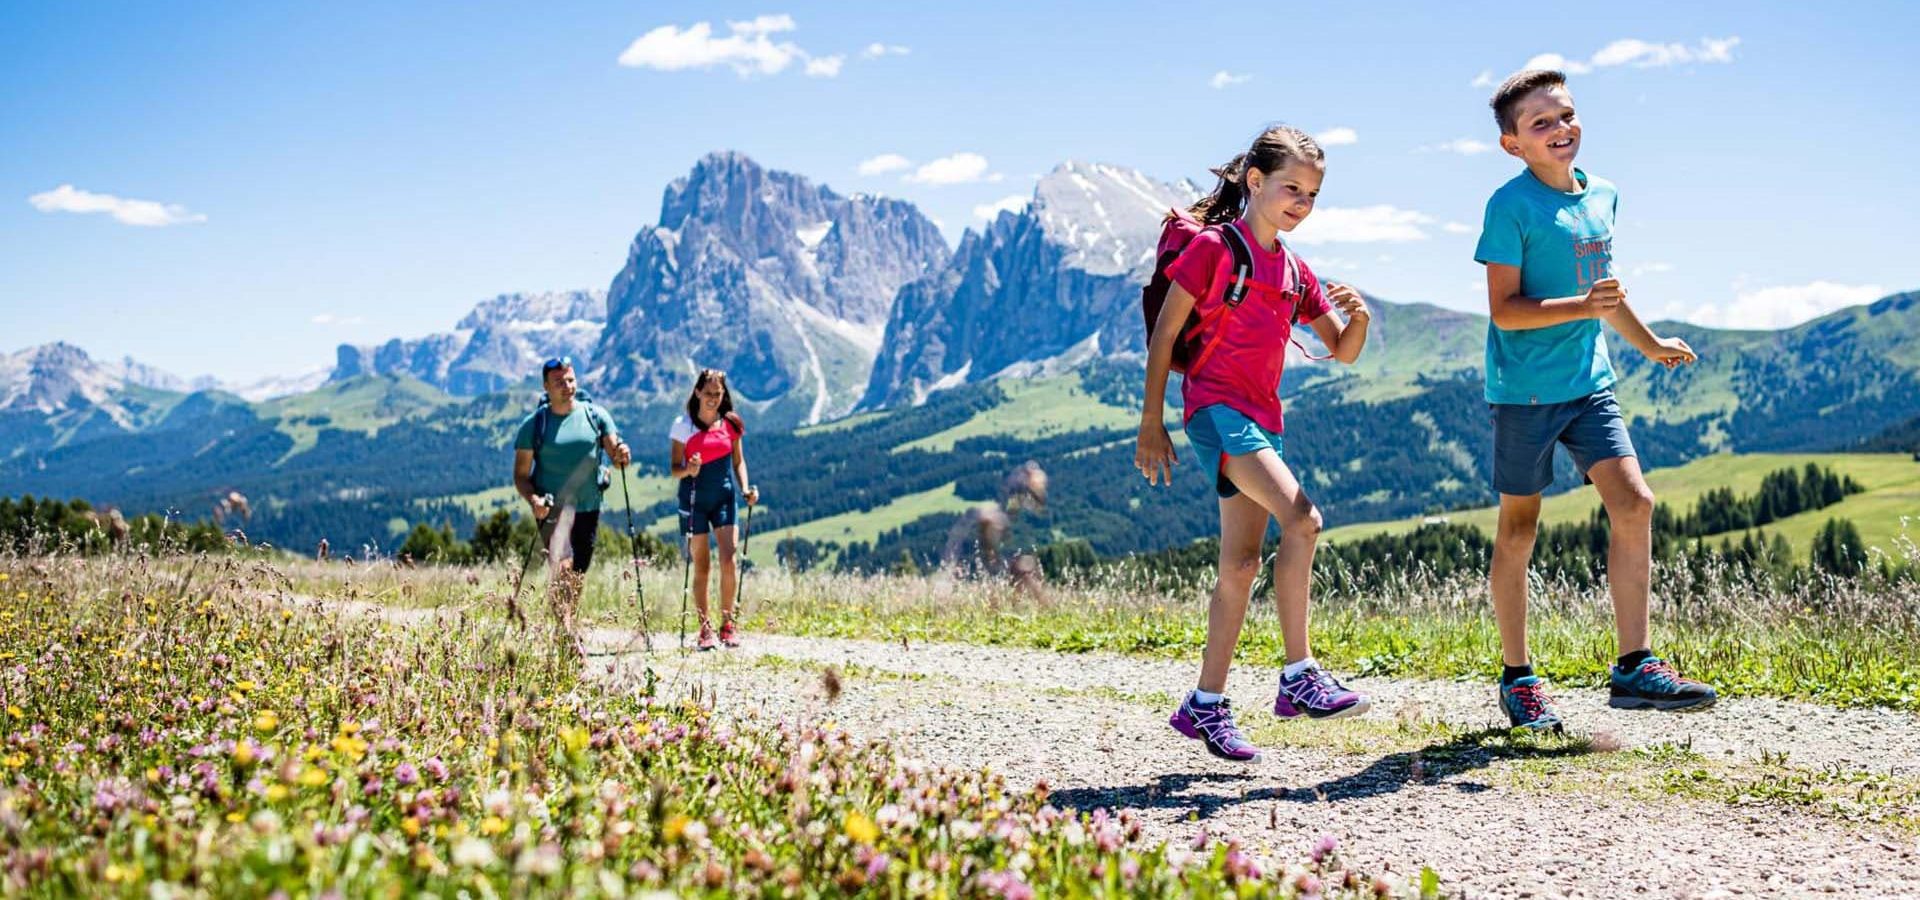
point(1212, 724)
point(1316, 694)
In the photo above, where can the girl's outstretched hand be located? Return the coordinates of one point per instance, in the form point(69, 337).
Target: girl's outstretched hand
point(1153, 455)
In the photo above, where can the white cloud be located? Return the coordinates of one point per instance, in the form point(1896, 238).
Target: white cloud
point(1462, 146)
point(1783, 306)
point(1652, 268)
point(331, 319)
point(884, 163)
point(1638, 54)
point(876, 50)
point(1362, 225)
point(1459, 228)
point(825, 66)
point(1556, 61)
point(148, 213)
point(1484, 79)
point(1338, 136)
point(1224, 79)
point(991, 211)
point(748, 49)
point(1643, 55)
point(960, 168)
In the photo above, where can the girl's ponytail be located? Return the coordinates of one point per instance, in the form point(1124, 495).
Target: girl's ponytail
point(1223, 205)
point(1273, 149)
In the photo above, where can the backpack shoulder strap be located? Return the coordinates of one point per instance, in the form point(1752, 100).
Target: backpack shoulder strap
point(1242, 264)
point(539, 431)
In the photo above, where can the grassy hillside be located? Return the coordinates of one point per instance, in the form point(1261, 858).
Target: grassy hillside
point(1892, 481)
point(1033, 410)
point(365, 404)
point(867, 525)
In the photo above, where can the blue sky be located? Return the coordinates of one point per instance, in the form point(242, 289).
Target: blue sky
point(248, 185)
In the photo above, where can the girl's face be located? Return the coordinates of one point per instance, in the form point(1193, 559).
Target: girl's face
point(711, 395)
point(1284, 196)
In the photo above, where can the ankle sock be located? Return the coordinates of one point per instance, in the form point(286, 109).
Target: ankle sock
point(1294, 669)
point(1206, 698)
point(1511, 674)
point(1631, 661)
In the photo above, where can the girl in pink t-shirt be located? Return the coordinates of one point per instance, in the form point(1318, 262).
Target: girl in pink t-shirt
point(1233, 414)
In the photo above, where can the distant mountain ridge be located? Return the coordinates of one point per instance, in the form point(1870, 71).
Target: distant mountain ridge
point(499, 343)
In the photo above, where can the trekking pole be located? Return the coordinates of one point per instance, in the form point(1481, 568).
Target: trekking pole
point(686, 554)
point(513, 604)
point(633, 542)
point(746, 540)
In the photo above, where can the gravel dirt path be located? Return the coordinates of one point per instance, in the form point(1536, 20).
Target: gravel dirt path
point(1093, 726)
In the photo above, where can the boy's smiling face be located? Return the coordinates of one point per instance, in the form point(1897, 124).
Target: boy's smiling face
point(1546, 132)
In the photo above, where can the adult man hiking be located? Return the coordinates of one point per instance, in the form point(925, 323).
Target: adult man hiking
point(557, 471)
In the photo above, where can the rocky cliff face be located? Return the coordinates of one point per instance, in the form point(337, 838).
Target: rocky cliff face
point(781, 283)
point(1040, 289)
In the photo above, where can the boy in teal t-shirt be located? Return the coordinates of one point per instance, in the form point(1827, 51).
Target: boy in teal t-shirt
point(1547, 244)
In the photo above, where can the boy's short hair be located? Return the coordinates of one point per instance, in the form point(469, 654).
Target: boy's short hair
point(1518, 85)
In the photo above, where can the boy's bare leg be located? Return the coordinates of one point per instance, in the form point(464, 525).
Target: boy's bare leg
point(1629, 505)
point(1512, 550)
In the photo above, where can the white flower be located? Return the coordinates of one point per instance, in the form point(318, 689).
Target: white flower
point(474, 853)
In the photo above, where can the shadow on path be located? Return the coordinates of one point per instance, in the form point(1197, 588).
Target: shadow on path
point(1205, 794)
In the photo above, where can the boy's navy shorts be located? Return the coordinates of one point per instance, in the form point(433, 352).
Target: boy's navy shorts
point(1524, 435)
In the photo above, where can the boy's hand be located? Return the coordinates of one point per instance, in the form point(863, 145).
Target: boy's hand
point(1348, 300)
point(1153, 454)
point(1604, 297)
point(1672, 352)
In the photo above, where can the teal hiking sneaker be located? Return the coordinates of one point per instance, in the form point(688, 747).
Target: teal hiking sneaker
point(1528, 706)
point(1654, 684)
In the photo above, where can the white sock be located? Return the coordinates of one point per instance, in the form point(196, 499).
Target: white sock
point(1294, 669)
point(1206, 698)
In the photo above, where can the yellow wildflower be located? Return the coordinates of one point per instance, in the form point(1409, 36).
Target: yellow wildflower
point(861, 828)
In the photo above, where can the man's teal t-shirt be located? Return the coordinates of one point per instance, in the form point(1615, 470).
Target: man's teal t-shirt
point(1563, 243)
point(566, 464)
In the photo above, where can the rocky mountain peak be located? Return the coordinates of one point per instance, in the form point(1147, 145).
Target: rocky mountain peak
point(782, 283)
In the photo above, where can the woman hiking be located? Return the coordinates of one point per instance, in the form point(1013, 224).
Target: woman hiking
point(708, 457)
